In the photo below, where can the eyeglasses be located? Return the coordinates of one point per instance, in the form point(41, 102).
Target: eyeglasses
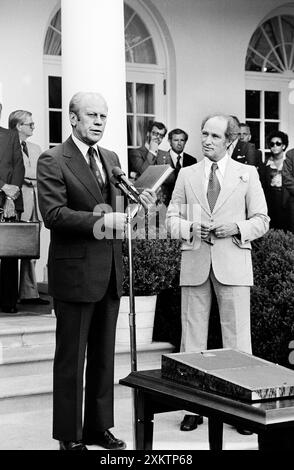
point(30, 124)
point(157, 134)
point(278, 144)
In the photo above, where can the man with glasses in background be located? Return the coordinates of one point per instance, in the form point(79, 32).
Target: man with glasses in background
point(22, 121)
point(11, 179)
point(149, 153)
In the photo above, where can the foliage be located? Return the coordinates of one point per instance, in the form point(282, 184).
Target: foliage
point(272, 299)
point(156, 265)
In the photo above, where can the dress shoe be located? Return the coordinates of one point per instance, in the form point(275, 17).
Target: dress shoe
point(191, 422)
point(245, 432)
point(107, 440)
point(35, 301)
point(71, 445)
point(7, 309)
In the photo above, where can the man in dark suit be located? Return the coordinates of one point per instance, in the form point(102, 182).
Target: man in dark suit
point(244, 151)
point(177, 158)
point(149, 154)
point(11, 179)
point(79, 206)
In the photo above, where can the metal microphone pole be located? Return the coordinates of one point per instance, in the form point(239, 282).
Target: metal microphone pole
point(131, 213)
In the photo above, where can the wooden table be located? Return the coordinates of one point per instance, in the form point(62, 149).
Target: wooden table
point(272, 420)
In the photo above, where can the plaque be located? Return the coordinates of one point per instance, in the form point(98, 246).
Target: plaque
point(229, 372)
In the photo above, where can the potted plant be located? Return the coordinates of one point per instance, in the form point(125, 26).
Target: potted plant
point(156, 268)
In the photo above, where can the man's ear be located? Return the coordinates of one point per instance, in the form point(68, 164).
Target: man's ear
point(73, 118)
point(18, 127)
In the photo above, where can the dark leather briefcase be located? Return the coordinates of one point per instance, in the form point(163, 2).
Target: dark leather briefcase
point(20, 239)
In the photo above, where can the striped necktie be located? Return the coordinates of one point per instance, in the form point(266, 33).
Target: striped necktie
point(94, 167)
point(25, 148)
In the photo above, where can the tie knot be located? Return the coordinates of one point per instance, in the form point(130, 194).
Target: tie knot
point(24, 147)
point(91, 151)
point(214, 167)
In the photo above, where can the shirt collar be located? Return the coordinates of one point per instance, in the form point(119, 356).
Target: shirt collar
point(222, 164)
point(175, 156)
point(82, 146)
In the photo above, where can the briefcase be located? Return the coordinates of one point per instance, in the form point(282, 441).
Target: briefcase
point(20, 239)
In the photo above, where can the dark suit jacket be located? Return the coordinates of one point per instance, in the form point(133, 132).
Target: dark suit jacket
point(141, 158)
point(288, 173)
point(245, 152)
point(11, 164)
point(79, 265)
point(169, 184)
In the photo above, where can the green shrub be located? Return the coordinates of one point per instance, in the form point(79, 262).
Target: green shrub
point(272, 299)
point(156, 265)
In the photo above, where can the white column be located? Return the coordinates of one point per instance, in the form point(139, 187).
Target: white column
point(93, 59)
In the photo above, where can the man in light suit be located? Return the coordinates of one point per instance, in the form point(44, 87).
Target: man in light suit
point(78, 205)
point(22, 121)
point(11, 179)
point(150, 153)
point(218, 207)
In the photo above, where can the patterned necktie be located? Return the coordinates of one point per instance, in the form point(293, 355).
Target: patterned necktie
point(94, 167)
point(213, 188)
point(25, 148)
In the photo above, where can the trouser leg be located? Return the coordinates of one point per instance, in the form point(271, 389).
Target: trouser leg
point(234, 311)
point(9, 282)
point(100, 367)
point(196, 304)
point(72, 327)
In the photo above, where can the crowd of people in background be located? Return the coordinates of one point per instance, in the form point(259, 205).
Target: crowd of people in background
point(275, 169)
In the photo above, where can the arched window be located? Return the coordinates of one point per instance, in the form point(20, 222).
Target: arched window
point(269, 69)
point(145, 87)
point(271, 48)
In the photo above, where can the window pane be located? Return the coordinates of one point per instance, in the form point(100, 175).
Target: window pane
point(138, 42)
point(255, 132)
point(271, 105)
point(270, 127)
point(55, 99)
point(142, 125)
point(252, 104)
point(145, 98)
point(130, 131)
point(55, 126)
point(130, 99)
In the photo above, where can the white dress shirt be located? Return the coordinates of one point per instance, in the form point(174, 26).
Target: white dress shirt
point(84, 150)
point(174, 156)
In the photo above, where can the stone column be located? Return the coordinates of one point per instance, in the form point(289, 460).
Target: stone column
point(93, 59)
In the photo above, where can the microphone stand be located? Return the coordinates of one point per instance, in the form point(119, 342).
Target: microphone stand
point(132, 313)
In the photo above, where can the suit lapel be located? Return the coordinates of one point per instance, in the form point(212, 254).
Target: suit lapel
point(78, 165)
point(109, 162)
point(196, 180)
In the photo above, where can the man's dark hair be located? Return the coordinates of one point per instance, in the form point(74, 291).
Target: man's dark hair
point(177, 131)
point(281, 135)
point(157, 124)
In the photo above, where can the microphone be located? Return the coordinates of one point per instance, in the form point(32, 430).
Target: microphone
point(120, 180)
